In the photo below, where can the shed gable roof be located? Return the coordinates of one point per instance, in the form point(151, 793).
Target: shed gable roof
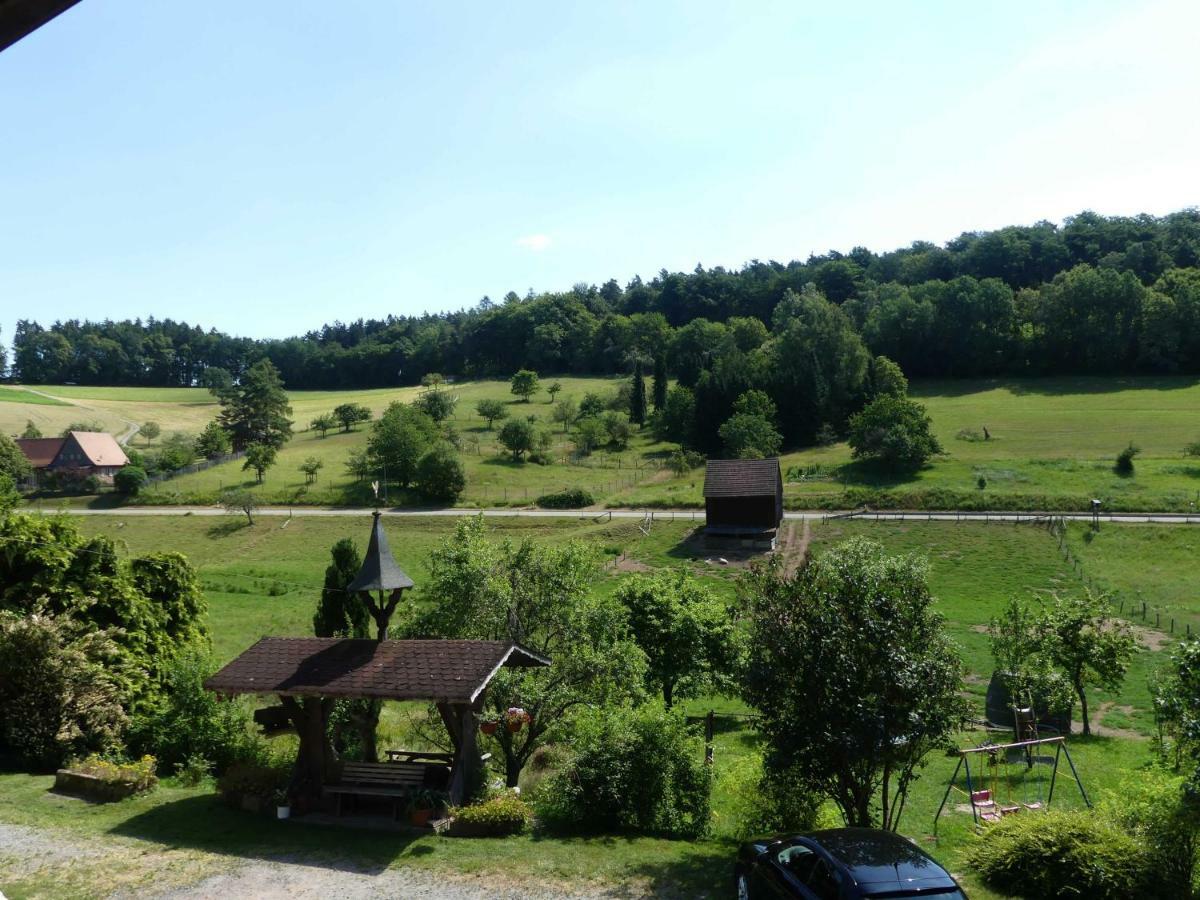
point(451, 671)
point(40, 451)
point(742, 478)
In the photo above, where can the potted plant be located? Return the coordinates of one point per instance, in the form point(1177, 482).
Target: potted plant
point(283, 809)
point(422, 805)
point(516, 718)
point(489, 726)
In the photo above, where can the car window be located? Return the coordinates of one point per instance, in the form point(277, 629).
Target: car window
point(798, 860)
point(821, 881)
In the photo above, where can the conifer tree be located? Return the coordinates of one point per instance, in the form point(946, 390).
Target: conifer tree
point(659, 388)
point(637, 397)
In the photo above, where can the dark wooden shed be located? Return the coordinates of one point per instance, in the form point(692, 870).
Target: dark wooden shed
point(742, 497)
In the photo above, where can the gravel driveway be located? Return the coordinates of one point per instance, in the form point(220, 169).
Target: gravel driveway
point(48, 855)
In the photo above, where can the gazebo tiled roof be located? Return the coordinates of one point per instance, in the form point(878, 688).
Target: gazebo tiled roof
point(440, 670)
point(379, 571)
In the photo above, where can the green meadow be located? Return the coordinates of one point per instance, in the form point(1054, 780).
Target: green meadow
point(264, 579)
point(1052, 445)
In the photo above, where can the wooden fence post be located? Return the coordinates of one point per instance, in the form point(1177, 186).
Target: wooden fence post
point(708, 737)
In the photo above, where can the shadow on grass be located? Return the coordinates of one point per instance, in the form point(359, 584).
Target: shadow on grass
point(1050, 386)
point(226, 529)
point(700, 869)
point(205, 823)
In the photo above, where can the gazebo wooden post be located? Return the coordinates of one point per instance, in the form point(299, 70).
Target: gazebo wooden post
point(468, 764)
point(314, 758)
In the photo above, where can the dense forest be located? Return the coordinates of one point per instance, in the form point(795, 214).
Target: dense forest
point(1096, 295)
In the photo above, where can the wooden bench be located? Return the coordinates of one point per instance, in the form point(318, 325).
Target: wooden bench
point(391, 779)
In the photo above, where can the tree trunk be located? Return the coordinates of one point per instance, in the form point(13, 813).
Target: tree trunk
point(512, 770)
point(315, 756)
point(1083, 708)
point(668, 693)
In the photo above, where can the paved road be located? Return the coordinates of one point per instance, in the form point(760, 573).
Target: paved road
point(660, 515)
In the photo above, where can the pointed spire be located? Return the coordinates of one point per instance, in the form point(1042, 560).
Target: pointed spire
point(379, 571)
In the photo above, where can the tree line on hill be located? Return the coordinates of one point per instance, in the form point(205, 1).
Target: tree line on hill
point(1097, 295)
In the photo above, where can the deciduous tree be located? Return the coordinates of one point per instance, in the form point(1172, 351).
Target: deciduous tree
point(518, 437)
point(524, 384)
point(851, 645)
point(259, 457)
point(685, 630)
point(492, 410)
point(541, 598)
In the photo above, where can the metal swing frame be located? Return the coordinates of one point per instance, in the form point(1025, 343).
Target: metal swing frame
point(964, 762)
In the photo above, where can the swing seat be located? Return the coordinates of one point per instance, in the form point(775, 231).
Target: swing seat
point(989, 817)
point(1035, 805)
point(980, 797)
point(1009, 810)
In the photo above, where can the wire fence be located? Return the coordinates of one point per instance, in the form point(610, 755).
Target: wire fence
point(1128, 607)
point(195, 467)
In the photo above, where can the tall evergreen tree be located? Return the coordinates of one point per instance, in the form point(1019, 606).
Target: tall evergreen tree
point(340, 613)
point(659, 388)
point(637, 397)
point(256, 410)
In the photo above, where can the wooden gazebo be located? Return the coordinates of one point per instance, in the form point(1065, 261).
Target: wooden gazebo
point(308, 674)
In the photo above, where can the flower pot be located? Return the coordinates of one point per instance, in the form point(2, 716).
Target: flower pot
point(283, 812)
point(488, 727)
point(420, 817)
point(514, 727)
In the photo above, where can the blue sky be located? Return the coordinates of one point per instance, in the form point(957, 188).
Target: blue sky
point(266, 167)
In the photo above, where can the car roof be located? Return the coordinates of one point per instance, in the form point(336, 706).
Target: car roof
point(881, 860)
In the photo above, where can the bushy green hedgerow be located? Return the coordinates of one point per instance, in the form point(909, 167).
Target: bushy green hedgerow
point(634, 770)
point(1041, 856)
point(569, 498)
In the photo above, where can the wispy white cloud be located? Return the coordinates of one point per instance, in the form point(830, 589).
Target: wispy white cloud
point(535, 242)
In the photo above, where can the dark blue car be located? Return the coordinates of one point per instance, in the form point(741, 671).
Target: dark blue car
point(841, 864)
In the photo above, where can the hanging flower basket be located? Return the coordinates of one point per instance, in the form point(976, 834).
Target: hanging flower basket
point(489, 727)
point(516, 719)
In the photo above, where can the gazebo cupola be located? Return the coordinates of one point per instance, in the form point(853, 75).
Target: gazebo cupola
point(380, 582)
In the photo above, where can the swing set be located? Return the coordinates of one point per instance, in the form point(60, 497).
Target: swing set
point(984, 790)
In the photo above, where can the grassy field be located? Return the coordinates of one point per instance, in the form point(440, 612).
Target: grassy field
point(1052, 446)
point(265, 578)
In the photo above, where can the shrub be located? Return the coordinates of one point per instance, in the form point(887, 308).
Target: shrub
point(189, 721)
point(60, 694)
point(1192, 449)
point(763, 802)
point(193, 770)
point(568, 498)
point(1034, 856)
point(130, 480)
point(500, 815)
point(253, 780)
point(1153, 807)
point(633, 770)
point(440, 475)
point(1124, 463)
point(138, 774)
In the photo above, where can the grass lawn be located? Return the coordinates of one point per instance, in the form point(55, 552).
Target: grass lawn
point(264, 579)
